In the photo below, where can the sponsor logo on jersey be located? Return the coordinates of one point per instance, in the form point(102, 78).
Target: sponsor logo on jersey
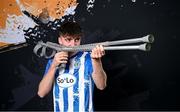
point(66, 80)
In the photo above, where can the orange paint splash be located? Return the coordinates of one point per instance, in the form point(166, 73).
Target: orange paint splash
point(55, 8)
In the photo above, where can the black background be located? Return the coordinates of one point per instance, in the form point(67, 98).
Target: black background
point(137, 80)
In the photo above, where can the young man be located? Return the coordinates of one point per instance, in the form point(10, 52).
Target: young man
point(73, 84)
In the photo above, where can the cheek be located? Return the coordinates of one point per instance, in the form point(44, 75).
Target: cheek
point(66, 43)
point(63, 42)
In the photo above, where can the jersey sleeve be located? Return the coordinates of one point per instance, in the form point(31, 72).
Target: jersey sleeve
point(89, 63)
point(48, 66)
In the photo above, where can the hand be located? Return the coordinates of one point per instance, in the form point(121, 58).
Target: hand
point(60, 58)
point(97, 52)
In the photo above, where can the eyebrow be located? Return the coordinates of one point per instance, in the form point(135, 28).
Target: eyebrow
point(72, 37)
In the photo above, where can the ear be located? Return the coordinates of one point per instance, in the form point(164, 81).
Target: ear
point(60, 40)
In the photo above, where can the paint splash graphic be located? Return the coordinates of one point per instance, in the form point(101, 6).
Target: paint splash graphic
point(13, 32)
point(90, 5)
point(133, 0)
point(13, 21)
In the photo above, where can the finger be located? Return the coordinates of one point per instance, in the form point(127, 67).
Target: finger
point(97, 52)
point(63, 61)
point(102, 50)
point(93, 53)
point(63, 58)
point(65, 54)
point(61, 55)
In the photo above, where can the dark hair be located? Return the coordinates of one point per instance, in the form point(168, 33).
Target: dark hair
point(70, 28)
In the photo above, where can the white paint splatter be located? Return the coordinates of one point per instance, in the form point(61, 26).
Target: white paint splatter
point(20, 5)
point(13, 32)
point(133, 0)
point(90, 5)
point(70, 11)
point(153, 3)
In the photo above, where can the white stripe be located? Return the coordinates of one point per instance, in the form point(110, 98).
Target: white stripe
point(90, 95)
point(70, 89)
point(61, 100)
point(54, 98)
point(81, 84)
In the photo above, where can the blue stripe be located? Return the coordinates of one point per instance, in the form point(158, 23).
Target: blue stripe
point(57, 106)
point(48, 66)
point(56, 91)
point(87, 73)
point(76, 86)
point(88, 76)
point(86, 89)
point(88, 67)
point(76, 104)
point(65, 98)
point(65, 91)
point(67, 67)
point(76, 91)
point(86, 96)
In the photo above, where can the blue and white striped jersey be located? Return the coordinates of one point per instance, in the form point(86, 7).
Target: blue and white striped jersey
point(73, 86)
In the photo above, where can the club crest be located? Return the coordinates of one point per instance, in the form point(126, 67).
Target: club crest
point(77, 63)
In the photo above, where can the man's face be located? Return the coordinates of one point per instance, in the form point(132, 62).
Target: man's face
point(71, 41)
